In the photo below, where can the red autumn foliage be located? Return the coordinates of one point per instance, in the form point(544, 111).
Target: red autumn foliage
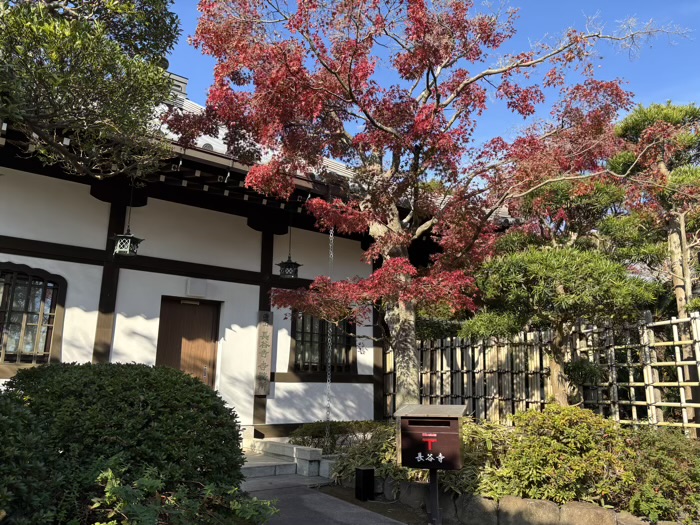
point(394, 89)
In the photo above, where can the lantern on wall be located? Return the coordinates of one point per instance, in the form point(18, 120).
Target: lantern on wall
point(289, 269)
point(126, 243)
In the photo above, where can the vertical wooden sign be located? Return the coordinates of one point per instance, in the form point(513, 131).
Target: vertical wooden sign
point(263, 362)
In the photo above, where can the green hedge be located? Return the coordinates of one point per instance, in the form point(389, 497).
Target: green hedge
point(25, 470)
point(131, 443)
point(561, 454)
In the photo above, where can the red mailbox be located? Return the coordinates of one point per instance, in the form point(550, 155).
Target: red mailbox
point(431, 436)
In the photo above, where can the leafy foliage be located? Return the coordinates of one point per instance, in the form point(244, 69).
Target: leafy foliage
point(564, 454)
point(343, 434)
point(667, 475)
point(131, 442)
point(26, 467)
point(561, 454)
point(395, 91)
point(379, 451)
point(87, 71)
point(557, 286)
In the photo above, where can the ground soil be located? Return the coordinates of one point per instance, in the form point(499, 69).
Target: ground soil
point(390, 509)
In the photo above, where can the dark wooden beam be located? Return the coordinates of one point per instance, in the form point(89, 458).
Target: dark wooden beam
point(104, 333)
point(188, 269)
point(264, 304)
point(278, 430)
point(51, 250)
point(320, 377)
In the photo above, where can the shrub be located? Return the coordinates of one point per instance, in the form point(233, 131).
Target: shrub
point(484, 445)
point(136, 443)
point(666, 469)
point(378, 451)
point(26, 485)
point(342, 435)
point(563, 454)
point(560, 454)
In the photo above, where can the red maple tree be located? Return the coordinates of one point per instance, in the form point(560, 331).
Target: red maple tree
point(395, 90)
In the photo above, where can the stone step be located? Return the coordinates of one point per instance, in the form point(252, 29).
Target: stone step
point(271, 469)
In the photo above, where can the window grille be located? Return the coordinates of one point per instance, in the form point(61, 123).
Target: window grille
point(310, 337)
point(29, 304)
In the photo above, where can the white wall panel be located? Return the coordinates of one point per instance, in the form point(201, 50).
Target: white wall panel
point(138, 316)
point(82, 299)
point(311, 250)
point(281, 339)
point(46, 209)
point(302, 402)
point(186, 233)
point(365, 349)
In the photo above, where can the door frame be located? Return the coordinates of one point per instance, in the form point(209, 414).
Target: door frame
point(215, 327)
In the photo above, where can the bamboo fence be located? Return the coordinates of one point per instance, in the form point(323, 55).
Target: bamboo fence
point(648, 373)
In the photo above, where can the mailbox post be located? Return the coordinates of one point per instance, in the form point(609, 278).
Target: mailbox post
point(430, 437)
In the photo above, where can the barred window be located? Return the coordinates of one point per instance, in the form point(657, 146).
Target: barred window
point(310, 342)
point(31, 315)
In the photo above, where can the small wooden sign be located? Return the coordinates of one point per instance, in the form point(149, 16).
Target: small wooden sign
point(263, 362)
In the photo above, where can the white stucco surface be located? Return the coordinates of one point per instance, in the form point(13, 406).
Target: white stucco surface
point(281, 339)
point(365, 349)
point(302, 402)
point(186, 233)
point(81, 306)
point(138, 316)
point(311, 250)
point(36, 207)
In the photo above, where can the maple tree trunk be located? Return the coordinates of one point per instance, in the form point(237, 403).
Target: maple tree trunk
point(401, 321)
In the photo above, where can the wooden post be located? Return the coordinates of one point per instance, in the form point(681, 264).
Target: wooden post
point(519, 371)
point(678, 357)
point(612, 363)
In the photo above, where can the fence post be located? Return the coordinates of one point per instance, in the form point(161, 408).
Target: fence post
point(519, 372)
point(545, 342)
point(654, 414)
point(680, 372)
point(469, 376)
point(479, 348)
point(695, 329)
point(612, 363)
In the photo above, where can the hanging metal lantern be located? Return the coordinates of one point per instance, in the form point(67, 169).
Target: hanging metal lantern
point(289, 269)
point(126, 244)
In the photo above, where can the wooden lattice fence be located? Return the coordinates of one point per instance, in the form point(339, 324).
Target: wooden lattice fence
point(647, 374)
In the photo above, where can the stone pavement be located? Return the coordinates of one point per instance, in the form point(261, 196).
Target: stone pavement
point(300, 503)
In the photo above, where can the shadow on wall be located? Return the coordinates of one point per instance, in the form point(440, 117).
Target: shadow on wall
point(307, 402)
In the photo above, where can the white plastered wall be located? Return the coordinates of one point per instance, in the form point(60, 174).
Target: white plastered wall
point(186, 233)
point(35, 207)
point(311, 250)
point(81, 308)
point(138, 316)
point(304, 402)
point(298, 402)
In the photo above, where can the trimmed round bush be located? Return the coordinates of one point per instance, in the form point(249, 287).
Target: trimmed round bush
point(134, 441)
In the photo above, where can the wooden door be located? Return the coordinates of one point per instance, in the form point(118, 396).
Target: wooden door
point(187, 337)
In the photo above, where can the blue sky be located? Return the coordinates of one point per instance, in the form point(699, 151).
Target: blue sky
point(668, 69)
